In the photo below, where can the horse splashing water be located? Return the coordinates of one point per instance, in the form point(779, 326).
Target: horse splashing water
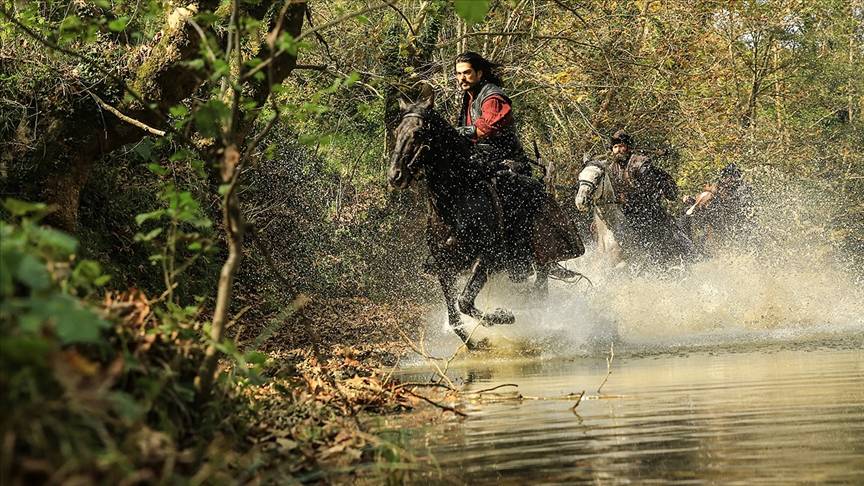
point(595, 189)
point(639, 238)
point(480, 219)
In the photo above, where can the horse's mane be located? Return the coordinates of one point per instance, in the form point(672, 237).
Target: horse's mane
point(451, 150)
point(593, 171)
point(442, 129)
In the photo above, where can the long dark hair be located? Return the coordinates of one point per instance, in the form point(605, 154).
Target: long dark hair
point(480, 63)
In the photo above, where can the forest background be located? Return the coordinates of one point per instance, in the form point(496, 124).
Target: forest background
point(225, 164)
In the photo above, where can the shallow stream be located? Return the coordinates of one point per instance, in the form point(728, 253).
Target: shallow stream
point(791, 414)
point(728, 376)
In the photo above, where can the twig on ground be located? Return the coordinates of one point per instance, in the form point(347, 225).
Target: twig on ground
point(439, 405)
point(421, 350)
point(485, 390)
point(609, 360)
point(568, 397)
point(237, 316)
point(578, 401)
point(392, 370)
point(419, 384)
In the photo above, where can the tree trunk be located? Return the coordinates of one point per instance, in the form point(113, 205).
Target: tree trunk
point(231, 166)
point(235, 229)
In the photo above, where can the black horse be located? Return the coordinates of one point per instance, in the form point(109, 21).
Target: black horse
point(481, 218)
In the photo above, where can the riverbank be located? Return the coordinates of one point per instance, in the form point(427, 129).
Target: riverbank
point(330, 378)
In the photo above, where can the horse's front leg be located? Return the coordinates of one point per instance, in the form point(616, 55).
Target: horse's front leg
point(447, 279)
point(541, 280)
point(479, 276)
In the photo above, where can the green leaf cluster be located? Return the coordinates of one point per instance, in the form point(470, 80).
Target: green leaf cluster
point(40, 280)
point(472, 11)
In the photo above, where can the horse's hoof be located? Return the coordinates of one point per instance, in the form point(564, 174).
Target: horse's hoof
point(498, 317)
point(478, 345)
point(559, 271)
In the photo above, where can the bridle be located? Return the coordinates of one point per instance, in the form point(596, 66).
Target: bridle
point(415, 159)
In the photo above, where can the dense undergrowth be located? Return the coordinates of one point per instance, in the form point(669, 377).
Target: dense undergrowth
point(100, 385)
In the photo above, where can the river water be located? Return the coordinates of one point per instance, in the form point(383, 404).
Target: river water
point(733, 374)
point(775, 416)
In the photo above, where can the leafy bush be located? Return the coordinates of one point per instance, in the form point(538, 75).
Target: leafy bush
point(98, 389)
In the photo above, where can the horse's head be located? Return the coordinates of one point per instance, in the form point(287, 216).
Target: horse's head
point(590, 179)
point(413, 137)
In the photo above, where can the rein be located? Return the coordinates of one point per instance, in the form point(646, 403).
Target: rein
point(422, 149)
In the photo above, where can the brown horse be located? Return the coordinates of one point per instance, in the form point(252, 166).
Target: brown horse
point(481, 218)
point(723, 211)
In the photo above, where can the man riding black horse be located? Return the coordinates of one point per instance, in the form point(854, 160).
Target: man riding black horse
point(486, 114)
point(466, 227)
point(486, 119)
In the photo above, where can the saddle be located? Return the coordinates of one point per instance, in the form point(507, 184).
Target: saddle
point(554, 237)
point(534, 216)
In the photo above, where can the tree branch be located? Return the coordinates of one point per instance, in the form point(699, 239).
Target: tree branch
point(127, 119)
point(321, 27)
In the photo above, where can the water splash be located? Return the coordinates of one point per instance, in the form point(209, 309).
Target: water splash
point(788, 285)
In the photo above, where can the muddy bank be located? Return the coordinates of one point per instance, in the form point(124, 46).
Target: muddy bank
point(371, 329)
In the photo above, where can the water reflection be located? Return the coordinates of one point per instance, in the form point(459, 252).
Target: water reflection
point(775, 416)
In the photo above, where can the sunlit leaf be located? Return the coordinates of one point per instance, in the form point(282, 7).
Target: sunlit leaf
point(86, 272)
point(143, 217)
point(157, 169)
point(255, 357)
point(196, 63)
point(178, 111)
point(118, 24)
point(472, 11)
point(24, 208)
point(148, 236)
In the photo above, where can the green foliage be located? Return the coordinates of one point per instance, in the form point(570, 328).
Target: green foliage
point(473, 11)
point(100, 379)
point(211, 117)
point(184, 236)
point(700, 84)
point(40, 277)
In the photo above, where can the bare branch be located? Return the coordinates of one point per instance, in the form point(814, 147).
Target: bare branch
point(320, 28)
point(485, 390)
point(127, 119)
point(572, 10)
point(439, 405)
point(609, 360)
point(401, 14)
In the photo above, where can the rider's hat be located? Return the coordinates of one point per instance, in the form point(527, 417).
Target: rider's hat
point(621, 136)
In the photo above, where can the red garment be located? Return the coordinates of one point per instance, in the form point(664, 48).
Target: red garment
point(497, 114)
